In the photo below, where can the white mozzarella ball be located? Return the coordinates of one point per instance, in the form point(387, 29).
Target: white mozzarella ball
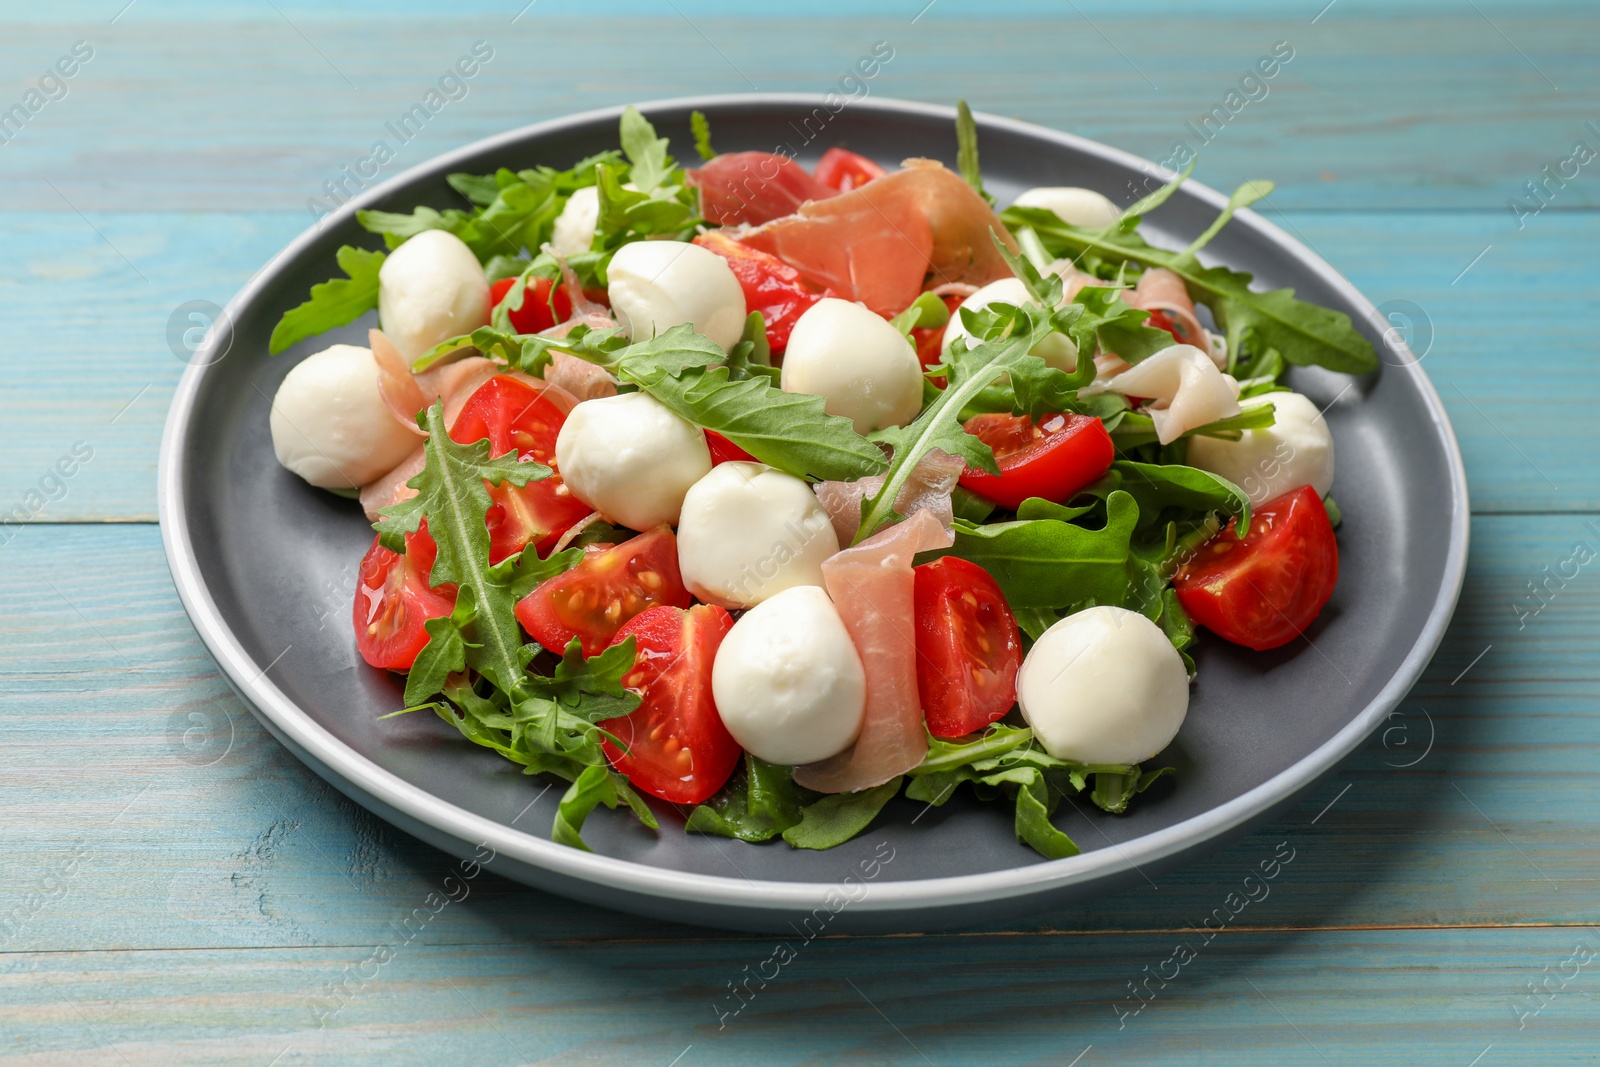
point(748, 532)
point(787, 680)
point(656, 285)
point(631, 458)
point(1103, 686)
point(1187, 390)
point(1295, 450)
point(574, 228)
point(330, 424)
point(1056, 350)
point(852, 358)
point(1072, 205)
point(431, 289)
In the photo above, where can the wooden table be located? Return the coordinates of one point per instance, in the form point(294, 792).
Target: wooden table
point(157, 907)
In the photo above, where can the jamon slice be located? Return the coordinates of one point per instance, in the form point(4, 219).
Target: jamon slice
point(928, 489)
point(753, 187)
point(1159, 289)
point(883, 243)
point(872, 586)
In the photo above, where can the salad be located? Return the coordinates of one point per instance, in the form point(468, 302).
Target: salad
point(773, 493)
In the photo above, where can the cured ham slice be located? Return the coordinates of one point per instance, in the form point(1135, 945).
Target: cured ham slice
point(872, 588)
point(584, 380)
point(753, 187)
point(928, 489)
point(1161, 290)
point(1187, 390)
point(883, 243)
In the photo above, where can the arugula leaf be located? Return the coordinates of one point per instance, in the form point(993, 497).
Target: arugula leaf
point(598, 784)
point(967, 150)
point(628, 215)
point(752, 354)
point(398, 228)
point(1242, 197)
point(926, 312)
point(1048, 563)
point(645, 151)
point(444, 654)
point(1146, 204)
point(1113, 791)
point(757, 806)
point(332, 303)
point(1303, 333)
point(702, 135)
point(481, 189)
point(837, 818)
point(1135, 428)
point(1157, 486)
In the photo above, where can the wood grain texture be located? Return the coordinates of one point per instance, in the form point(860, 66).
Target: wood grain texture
point(1527, 440)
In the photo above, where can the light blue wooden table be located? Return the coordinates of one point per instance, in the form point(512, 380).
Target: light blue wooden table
point(157, 907)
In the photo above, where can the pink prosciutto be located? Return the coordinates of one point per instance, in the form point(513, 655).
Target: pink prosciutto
point(928, 489)
point(753, 187)
point(873, 588)
point(882, 244)
point(1159, 289)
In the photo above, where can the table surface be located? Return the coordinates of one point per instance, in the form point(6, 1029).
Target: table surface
point(158, 906)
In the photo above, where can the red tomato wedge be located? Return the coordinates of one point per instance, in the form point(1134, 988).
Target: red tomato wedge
point(522, 416)
point(674, 745)
point(842, 169)
point(394, 599)
point(1053, 459)
point(770, 286)
point(968, 647)
point(1263, 591)
point(753, 187)
point(609, 586)
point(535, 314)
point(724, 450)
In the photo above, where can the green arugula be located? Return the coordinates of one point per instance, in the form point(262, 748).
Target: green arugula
point(967, 150)
point(332, 303)
point(647, 153)
point(836, 818)
point(757, 805)
point(702, 135)
point(926, 312)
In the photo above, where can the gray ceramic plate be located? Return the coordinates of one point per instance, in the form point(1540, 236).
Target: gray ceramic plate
point(266, 568)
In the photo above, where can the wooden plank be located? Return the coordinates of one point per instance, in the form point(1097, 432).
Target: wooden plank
point(1527, 444)
point(1354, 120)
point(1419, 997)
point(118, 836)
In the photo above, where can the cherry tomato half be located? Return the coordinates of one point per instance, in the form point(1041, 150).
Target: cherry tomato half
point(841, 169)
point(1263, 591)
point(609, 586)
point(394, 599)
point(725, 451)
point(674, 745)
point(522, 417)
point(770, 286)
point(535, 314)
point(968, 647)
point(1053, 459)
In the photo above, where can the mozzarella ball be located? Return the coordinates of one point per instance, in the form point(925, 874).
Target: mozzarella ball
point(656, 285)
point(1295, 450)
point(749, 532)
point(330, 424)
point(431, 289)
point(1103, 686)
point(787, 680)
point(1056, 350)
point(574, 228)
point(1073, 206)
point(631, 458)
point(852, 358)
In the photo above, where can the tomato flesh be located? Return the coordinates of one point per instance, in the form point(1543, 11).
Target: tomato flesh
point(725, 451)
point(929, 340)
point(753, 187)
point(1264, 590)
point(674, 745)
point(770, 286)
point(535, 314)
point(1054, 458)
point(394, 599)
point(515, 415)
point(608, 587)
point(842, 169)
point(968, 647)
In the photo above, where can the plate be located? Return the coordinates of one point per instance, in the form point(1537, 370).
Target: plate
point(266, 568)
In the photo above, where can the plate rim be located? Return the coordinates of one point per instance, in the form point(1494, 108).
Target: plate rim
point(308, 738)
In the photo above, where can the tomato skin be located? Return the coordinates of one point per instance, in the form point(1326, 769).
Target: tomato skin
point(968, 647)
point(608, 587)
point(534, 315)
point(753, 187)
point(393, 600)
point(842, 169)
point(676, 746)
point(725, 451)
point(515, 415)
point(1264, 591)
point(1054, 459)
point(770, 286)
